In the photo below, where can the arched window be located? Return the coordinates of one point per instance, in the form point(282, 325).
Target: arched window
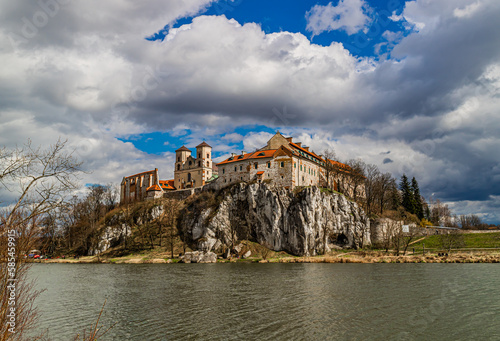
point(179, 159)
point(189, 177)
point(199, 163)
point(208, 156)
point(178, 167)
point(190, 163)
point(208, 164)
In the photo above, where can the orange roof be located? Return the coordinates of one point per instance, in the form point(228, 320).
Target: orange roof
point(306, 151)
point(167, 184)
point(155, 187)
point(260, 173)
point(255, 155)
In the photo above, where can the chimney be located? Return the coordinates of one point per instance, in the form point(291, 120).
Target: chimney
point(306, 148)
point(289, 139)
point(233, 154)
point(243, 152)
point(298, 144)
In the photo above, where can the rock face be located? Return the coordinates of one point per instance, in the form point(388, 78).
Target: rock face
point(306, 223)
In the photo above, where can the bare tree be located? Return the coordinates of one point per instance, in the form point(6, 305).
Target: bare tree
point(356, 175)
point(389, 230)
point(39, 180)
point(470, 221)
point(451, 239)
point(402, 239)
point(168, 222)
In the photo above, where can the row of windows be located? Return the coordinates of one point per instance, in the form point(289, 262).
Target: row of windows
point(310, 171)
point(190, 163)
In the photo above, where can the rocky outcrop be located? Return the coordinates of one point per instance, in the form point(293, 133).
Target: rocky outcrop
point(305, 223)
point(198, 257)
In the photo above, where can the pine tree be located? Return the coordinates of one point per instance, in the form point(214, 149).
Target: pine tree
point(419, 207)
point(408, 200)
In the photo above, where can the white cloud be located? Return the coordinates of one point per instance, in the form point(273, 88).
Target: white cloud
point(467, 11)
point(349, 15)
point(93, 80)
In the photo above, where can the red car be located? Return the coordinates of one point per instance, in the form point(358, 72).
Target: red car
point(36, 256)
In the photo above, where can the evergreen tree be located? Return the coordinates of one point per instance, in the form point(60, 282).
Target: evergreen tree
point(408, 200)
point(418, 205)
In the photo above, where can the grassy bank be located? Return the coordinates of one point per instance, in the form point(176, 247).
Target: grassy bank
point(470, 241)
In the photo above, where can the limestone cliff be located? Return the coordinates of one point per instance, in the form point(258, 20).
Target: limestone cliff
point(280, 219)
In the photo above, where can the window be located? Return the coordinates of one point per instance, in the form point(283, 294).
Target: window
point(223, 171)
point(199, 163)
point(241, 178)
point(241, 167)
point(224, 180)
point(256, 165)
point(240, 157)
point(301, 168)
point(199, 155)
point(189, 177)
point(178, 167)
point(190, 163)
point(208, 156)
point(235, 168)
point(208, 164)
point(261, 154)
point(269, 165)
point(179, 159)
point(295, 165)
point(282, 164)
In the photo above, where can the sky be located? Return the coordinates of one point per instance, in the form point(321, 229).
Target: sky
point(411, 87)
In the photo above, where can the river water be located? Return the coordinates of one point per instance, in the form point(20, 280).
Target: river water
point(272, 301)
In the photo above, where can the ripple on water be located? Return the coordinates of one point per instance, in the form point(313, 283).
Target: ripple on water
point(272, 301)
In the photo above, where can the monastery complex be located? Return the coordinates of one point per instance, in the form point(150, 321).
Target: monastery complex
point(281, 163)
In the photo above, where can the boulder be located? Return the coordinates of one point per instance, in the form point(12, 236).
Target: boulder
point(198, 257)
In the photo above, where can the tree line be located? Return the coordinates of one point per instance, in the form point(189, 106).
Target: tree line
point(382, 195)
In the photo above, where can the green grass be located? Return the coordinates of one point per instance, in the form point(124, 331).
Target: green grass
point(472, 241)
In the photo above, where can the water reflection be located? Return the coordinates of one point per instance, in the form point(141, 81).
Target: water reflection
point(273, 301)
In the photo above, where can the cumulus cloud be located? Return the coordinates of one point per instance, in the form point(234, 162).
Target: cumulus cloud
point(350, 16)
point(93, 78)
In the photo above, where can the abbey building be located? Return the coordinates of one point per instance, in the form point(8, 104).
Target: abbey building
point(281, 162)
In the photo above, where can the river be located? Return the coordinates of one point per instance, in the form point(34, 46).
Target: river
point(272, 301)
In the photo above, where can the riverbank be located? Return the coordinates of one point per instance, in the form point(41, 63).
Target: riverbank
point(365, 257)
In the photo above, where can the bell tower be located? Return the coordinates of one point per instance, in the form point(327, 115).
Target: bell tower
point(181, 156)
point(204, 158)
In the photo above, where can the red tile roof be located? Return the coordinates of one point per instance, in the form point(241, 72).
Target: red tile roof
point(296, 146)
point(260, 154)
point(155, 187)
point(167, 184)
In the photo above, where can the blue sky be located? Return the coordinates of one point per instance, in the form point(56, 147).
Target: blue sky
point(410, 86)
